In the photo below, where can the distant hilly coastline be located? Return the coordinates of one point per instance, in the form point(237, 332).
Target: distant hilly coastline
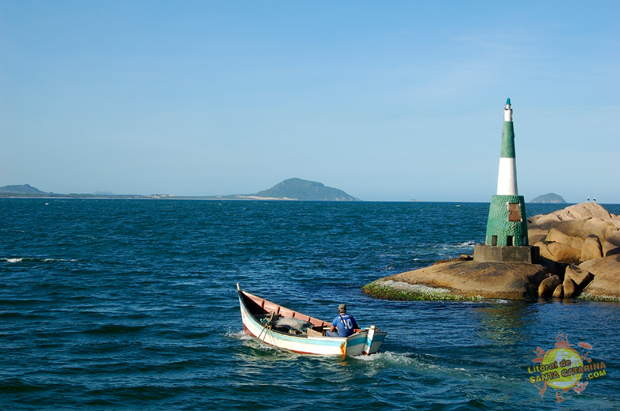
point(27, 191)
point(293, 189)
point(22, 189)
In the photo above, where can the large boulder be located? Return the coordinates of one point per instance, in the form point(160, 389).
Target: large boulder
point(549, 285)
point(569, 233)
point(600, 228)
point(469, 279)
point(611, 245)
point(592, 248)
point(574, 212)
point(570, 290)
point(579, 276)
point(606, 282)
point(559, 252)
point(558, 236)
point(559, 292)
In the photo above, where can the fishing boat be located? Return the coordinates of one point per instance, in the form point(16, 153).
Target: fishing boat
point(284, 328)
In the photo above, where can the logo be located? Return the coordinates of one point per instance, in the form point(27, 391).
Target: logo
point(564, 368)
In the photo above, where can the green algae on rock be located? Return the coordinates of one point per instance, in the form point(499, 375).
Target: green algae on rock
point(399, 291)
point(462, 280)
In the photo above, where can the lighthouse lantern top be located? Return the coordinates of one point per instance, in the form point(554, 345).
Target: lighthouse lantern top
point(508, 111)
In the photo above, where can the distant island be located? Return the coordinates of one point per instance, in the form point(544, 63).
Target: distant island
point(549, 198)
point(293, 189)
point(296, 189)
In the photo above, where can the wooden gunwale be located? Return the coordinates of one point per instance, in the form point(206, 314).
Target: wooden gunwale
point(261, 306)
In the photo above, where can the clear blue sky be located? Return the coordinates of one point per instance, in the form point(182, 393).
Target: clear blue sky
point(384, 100)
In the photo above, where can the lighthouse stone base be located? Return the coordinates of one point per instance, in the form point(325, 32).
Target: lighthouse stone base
point(515, 254)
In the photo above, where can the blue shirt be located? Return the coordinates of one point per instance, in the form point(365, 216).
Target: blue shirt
point(345, 324)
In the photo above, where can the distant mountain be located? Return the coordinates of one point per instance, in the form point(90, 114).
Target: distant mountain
point(549, 198)
point(22, 189)
point(301, 190)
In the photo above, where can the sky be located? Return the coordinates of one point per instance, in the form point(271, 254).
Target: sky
point(388, 101)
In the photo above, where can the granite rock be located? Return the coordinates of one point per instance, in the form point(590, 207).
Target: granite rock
point(473, 278)
point(579, 276)
point(558, 292)
point(548, 286)
point(606, 282)
point(592, 248)
point(570, 290)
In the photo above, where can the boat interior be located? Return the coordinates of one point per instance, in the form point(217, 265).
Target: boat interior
point(268, 312)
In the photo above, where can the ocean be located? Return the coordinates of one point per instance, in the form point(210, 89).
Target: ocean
point(132, 305)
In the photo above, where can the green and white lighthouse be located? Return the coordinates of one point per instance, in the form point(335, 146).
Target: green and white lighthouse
point(506, 237)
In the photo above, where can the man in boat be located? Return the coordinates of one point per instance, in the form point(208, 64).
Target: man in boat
point(344, 323)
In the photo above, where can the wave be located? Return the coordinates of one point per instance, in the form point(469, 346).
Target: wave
point(468, 243)
point(36, 260)
point(115, 329)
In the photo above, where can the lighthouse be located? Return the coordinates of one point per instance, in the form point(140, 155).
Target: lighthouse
point(507, 176)
point(506, 236)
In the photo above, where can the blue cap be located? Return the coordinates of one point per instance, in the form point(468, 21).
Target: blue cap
point(508, 102)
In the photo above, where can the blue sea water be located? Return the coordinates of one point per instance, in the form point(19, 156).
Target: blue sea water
point(120, 304)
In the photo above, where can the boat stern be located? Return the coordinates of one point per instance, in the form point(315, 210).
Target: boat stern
point(374, 339)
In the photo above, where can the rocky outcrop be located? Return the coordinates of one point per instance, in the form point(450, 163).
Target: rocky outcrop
point(574, 212)
point(584, 234)
point(466, 279)
point(580, 256)
point(606, 278)
point(577, 233)
point(569, 284)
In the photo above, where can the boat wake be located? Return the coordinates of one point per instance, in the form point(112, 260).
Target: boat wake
point(389, 358)
point(238, 335)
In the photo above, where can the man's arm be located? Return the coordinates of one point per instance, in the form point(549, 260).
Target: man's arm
point(334, 324)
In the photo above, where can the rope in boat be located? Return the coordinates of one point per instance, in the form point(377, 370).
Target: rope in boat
point(268, 325)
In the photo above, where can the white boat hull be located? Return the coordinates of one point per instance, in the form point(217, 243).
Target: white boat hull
point(366, 341)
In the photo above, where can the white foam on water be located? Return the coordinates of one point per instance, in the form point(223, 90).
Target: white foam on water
point(46, 260)
point(238, 335)
point(388, 357)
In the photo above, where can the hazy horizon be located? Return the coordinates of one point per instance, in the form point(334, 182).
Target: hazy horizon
point(385, 101)
point(108, 193)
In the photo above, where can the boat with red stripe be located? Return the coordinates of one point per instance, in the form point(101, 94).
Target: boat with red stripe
point(284, 328)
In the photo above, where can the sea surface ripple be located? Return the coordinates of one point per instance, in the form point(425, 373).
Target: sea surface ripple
point(131, 304)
